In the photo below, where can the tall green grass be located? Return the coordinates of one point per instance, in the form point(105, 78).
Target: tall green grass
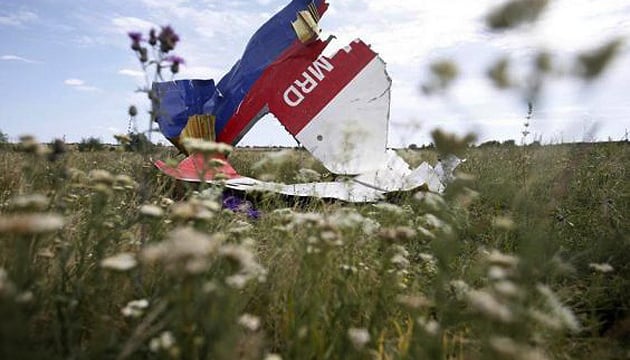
point(524, 256)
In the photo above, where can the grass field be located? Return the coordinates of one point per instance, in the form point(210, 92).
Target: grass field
point(526, 256)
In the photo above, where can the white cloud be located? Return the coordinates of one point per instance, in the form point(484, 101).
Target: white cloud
point(18, 58)
point(125, 24)
point(80, 85)
point(132, 73)
point(74, 82)
point(18, 18)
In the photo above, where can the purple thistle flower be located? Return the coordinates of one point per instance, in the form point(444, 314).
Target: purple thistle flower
point(175, 59)
point(168, 39)
point(135, 36)
point(237, 204)
point(175, 62)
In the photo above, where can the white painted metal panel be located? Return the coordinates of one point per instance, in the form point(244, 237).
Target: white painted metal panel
point(349, 136)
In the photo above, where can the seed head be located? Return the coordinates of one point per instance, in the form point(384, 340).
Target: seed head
point(602, 268)
point(249, 322)
point(35, 202)
point(30, 224)
point(135, 308)
point(101, 177)
point(151, 211)
point(359, 337)
point(120, 262)
point(488, 305)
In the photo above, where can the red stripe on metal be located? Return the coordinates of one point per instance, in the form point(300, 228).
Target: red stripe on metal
point(266, 87)
point(314, 97)
point(195, 169)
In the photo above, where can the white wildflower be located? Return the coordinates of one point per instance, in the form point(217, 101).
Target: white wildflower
point(397, 234)
point(497, 258)
point(216, 163)
point(430, 326)
point(426, 233)
point(207, 201)
point(545, 319)
point(190, 210)
point(194, 145)
point(166, 202)
point(431, 221)
point(242, 256)
point(249, 322)
point(274, 158)
point(313, 250)
point(302, 332)
point(30, 224)
point(46, 253)
point(135, 309)
point(459, 289)
point(283, 212)
point(299, 220)
point(399, 249)
point(429, 264)
point(348, 269)
point(273, 357)
point(99, 176)
point(414, 302)
point(209, 287)
point(370, 226)
point(120, 262)
point(400, 261)
point(467, 196)
point(503, 222)
point(237, 281)
point(487, 304)
point(31, 202)
point(346, 218)
point(6, 286)
point(507, 288)
point(151, 211)
point(240, 227)
point(359, 337)
point(165, 341)
point(432, 201)
point(25, 297)
point(308, 175)
point(185, 248)
point(391, 208)
point(602, 268)
point(125, 181)
point(561, 312)
point(497, 273)
point(510, 349)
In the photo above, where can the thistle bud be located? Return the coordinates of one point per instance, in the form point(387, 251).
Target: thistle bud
point(136, 38)
point(133, 111)
point(152, 37)
point(144, 55)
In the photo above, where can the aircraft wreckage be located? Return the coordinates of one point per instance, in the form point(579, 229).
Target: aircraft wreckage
point(336, 107)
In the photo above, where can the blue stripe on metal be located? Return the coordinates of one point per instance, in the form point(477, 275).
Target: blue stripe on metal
point(268, 43)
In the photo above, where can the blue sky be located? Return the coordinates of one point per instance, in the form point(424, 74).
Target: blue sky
point(67, 70)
